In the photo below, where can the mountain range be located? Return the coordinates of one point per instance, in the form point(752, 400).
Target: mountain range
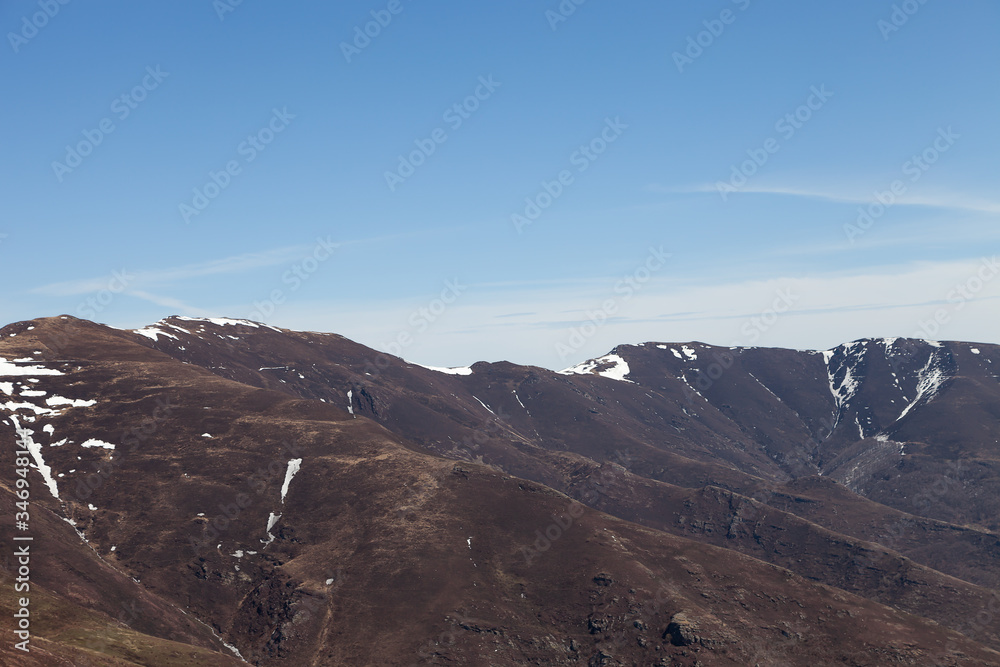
point(210, 491)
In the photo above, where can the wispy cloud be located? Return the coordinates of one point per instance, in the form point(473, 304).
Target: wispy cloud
point(829, 308)
point(949, 200)
point(176, 305)
point(228, 265)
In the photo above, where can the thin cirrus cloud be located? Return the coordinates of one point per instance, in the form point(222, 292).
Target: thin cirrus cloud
point(956, 201)
point(176, 305)
point(228, 265)
point(880, 301)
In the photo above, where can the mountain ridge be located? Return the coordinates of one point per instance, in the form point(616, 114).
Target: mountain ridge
point(730, 462)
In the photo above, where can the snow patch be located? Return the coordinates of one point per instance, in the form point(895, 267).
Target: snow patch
point(152, 333)
point(53, 401)
point(350, 401)
point(974, 350)
point(93, 442)
point(618, 368)
point(227, 321)
point(293, 467)
point(8, 369)
point(272, 519)
point(457, 370)
point(174, 327)
point(38, 410)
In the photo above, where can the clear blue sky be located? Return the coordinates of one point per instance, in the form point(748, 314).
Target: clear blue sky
point(329, 121)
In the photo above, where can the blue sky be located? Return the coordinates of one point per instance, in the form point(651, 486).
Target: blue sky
point(738, 137)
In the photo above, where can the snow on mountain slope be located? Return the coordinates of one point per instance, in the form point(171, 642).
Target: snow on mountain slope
point(611, 366)
point(617, 433)
point(930, 379)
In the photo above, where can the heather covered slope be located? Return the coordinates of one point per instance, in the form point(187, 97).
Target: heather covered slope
point(910, 424)
point(304, 534)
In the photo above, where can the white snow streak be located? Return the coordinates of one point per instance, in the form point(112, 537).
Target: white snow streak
point(272, 519)
point(293, 467)
point(35, 449)
point(518, 399)
point(845, 390)
point(457, 370)
point(485, 406)
point(931, 377)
